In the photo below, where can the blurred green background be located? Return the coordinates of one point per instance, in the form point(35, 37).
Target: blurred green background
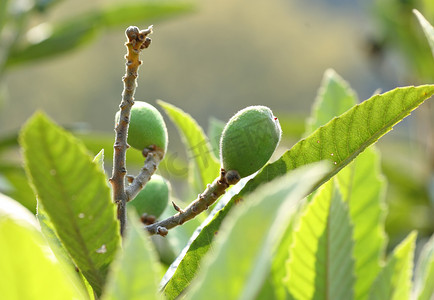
point(212, 58)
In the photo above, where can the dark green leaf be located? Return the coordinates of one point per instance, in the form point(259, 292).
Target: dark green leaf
point(339, 141)
point(7, 141)
point(70, 34)
point(75, 195)
point(64, 38)
point(15, 185)
point(13, 209)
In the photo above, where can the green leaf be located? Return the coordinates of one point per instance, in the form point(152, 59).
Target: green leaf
point(3, 13)
point(360, 183)
point(427, 29)
point(215, 129)
point(27, 269)
point(73, 33)
point(394, 280)
point(320, 263)
point(64, 37)
point(188, 266)
point(15, 210)
point(345, 137)
point(334, 98)
point(281, 255)
point(424, 277)
point(144, 11)
point(238, 265)
point(8, 141)
point(75, 195)
point(134, 273)
point(59, 250)
point(14, 184)
point(50, 235)
point(198, 147)
point(363, 189)
point(99, 159)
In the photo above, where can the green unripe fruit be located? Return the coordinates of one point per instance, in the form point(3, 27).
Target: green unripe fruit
point(249, 139)
point(153, 198)
point(146, 128)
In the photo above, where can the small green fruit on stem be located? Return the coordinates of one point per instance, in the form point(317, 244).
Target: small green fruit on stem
point(248, 140)
point(153, 198)
point(147, 127)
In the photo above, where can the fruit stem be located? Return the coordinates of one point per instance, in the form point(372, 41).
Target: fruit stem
point(207, 198)
point(153, 157)
point(137, 41)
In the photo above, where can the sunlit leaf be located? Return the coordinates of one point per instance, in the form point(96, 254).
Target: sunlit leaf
point(237, 267)
point(28, 271)
point(360, 182)
point(321, 264)
point(333, 99)
point(99, 159)
point(394, 280)
point(363, 190)
point(74, 193)
point(134, 273)
point(277, 274)
point(339, 141)
point(427, 29)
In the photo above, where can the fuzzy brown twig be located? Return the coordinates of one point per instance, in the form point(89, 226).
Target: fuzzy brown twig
point(203, 201)
point(137, 41)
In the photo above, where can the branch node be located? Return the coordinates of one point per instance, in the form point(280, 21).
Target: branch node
point(162, 231)
point(177, 208)
point(130, 178)
point(148, 219)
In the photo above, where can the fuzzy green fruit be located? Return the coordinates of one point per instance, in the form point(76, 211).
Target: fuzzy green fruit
point(146, 128)
point(249, 139)
point(153, 198)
